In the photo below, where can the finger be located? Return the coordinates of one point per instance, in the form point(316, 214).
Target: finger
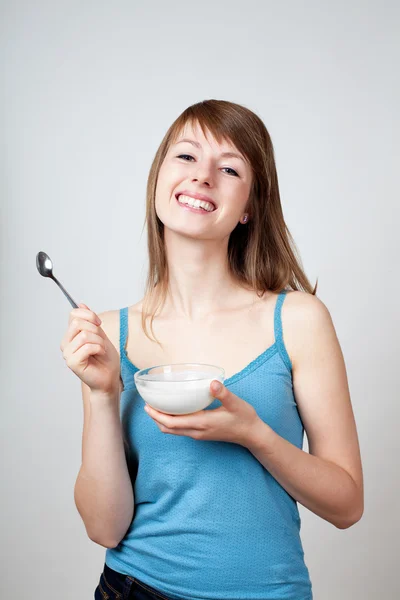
point(75, 327)
point(84, 312)
point(175, 430)
point(178, 422)
point(159, 417)
point(84, 306)
point(196, 434)
point(83, 353)
point(84, 337)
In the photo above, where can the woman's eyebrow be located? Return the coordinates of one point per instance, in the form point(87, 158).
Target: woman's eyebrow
point(224, 154)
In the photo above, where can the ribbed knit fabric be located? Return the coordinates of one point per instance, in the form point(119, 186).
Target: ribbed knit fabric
point(210, 521)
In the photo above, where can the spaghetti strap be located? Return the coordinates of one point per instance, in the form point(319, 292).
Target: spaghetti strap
point(279, 332)
point(123, 330)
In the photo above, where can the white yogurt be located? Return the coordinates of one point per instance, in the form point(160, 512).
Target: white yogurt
point(177, 393)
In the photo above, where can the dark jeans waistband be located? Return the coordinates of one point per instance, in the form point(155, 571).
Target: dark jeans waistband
point(114, 574)
point(123, 585)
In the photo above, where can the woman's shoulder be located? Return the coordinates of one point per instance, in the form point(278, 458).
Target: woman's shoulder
point(304, 316)
point(111, 321)
point(297, 305)
point(301, 307)
point(299, 301)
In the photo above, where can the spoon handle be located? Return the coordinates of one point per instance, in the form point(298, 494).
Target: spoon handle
point(73, 303)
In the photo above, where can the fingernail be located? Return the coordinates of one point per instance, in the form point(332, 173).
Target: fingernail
point(216, 387)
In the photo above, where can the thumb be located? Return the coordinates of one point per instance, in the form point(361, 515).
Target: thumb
point(219, 391)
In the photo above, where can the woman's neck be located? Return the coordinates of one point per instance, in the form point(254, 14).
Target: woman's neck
point(199, 278)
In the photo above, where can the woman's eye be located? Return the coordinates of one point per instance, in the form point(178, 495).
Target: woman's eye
point(229, 169)
point(188, 155)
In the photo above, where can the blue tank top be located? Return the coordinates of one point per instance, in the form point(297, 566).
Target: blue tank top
point(210, 522)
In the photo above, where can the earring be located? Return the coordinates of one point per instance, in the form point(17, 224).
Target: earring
point(245, 219)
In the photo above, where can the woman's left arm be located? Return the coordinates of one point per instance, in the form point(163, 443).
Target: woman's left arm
point(328, 480)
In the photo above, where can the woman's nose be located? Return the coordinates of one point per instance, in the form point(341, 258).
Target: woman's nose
point(203, 174)
point(204, 180)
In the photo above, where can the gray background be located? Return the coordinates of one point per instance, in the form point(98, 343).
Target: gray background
point(88, 91)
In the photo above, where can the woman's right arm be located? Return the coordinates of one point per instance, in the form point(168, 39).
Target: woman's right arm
point(103, 490)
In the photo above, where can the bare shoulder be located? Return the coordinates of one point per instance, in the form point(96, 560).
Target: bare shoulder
point(111, 322)
point(303, 304)
point(305, 318)
point(110, 326)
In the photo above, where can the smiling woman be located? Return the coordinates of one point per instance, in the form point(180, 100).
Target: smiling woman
point(205, 505)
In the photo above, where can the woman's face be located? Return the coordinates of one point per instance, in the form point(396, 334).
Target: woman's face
point(200, 167)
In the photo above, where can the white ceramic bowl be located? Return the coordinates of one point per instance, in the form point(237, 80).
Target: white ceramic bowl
point(178, 389)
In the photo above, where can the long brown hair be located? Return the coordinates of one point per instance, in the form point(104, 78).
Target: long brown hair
point(262, 254)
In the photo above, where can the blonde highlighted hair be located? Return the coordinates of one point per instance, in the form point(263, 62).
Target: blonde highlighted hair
point(262, 254)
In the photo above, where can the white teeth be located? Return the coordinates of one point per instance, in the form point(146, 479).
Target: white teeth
point(195, 203)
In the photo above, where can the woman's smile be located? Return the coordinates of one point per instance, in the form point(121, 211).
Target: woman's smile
point(199, 210)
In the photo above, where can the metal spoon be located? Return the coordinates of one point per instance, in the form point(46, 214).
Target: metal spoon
point(45, 268)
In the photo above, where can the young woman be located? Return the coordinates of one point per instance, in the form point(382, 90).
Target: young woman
point(204, 506)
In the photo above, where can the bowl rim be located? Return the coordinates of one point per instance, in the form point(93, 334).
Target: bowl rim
point(139, 374)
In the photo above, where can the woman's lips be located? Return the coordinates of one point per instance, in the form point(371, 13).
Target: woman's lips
point(196, 210)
